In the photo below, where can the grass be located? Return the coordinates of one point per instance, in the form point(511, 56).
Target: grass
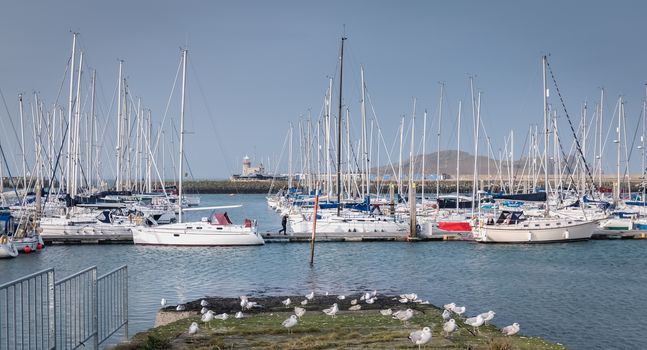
point(365, 329)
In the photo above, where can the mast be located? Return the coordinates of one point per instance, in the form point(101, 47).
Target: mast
point(365, 176)
point(22, 145)
point(545, 93)
point(77, 121)
point(411, 160)
point(180, 166)
point(341, 80)
point(91, 159)
point(290, 158)
point(424, 155)
point(458, 154)
point(618, 145)
point(119, 112)
point(440, 118)
point(642, 148)
point(69, 114)
point(477, 124)
point(600, 142)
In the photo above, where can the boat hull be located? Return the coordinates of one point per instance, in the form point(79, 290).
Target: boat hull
point(197, 234)
point(8, 250)
point(551, 231)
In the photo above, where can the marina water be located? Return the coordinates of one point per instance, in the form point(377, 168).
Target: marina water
point(586, 295)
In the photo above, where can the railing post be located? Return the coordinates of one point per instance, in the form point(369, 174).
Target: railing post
point(95, 309)
point(51, 301)
point(125, 301)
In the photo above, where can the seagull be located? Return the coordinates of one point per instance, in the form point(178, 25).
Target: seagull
point(299, 311)
point(310, 295)
point(449, 327)
point(410, 296)
point(304, 302)
point(332, 311)
point(286, 302)
point(207, 317)
point(370, 300)
point(446, 315)
point(290, 322)
point(511, 329)
point(341, 297)
point(386, 312)
point(180, 307)
point(239, 314)
point(243, 302)
point(355, 307)
point(475, 322)
point(373, 293)
point(163, 302)
point(204, 303)
point(421, 337)
point(365, 296)
point(403, 300)
point(449, 306)
point(459, 310)
point(488, 316)
point(203, 311)
point(193, 329)
point(222, 316)
point(353, 302)
point(403, 315)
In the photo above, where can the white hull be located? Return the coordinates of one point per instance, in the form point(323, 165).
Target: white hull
point(8, 250)
point(336, 224)
point(536, 231)
point(197, 234)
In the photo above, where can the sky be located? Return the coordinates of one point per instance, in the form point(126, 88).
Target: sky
point(257, 66)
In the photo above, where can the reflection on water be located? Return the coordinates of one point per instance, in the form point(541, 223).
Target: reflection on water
point(571, 293)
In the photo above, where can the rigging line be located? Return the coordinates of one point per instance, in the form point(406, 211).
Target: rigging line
point(168, 104)
point(13, 127)
point(577, 142)
point(633, 143)
point(276, 167)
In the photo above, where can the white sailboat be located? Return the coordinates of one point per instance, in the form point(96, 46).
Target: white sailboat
point(7, 248)
point(216, 231)
point(514, 227)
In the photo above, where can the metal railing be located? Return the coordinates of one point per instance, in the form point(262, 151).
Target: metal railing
point(78, 311)
point(27, 317)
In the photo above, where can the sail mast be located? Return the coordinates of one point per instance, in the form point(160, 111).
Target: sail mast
point(184, 57)
point(545, 93)
point(341, 80)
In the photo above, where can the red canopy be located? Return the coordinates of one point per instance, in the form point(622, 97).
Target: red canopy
point(222, 218)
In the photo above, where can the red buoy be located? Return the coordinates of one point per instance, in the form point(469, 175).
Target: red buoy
point(27, 250)
point(39, 246)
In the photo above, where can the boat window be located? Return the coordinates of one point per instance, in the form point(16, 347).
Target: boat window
point(199, 227)
point(569, 222)
point(525, 225)
point(536, 225)
point(548, 224)
point(559, 223)
point(218, 228)
point(189, 227)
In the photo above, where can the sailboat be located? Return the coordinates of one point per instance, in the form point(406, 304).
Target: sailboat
point(215, 231)
point(514, 227)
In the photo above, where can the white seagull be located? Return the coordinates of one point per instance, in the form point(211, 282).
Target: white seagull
point(193, 329)
point(299, 311)
point(203, 310)
point(449, 306)
point(488, 316)
point(341, 297)
point(239, 314)
point(204, 303)
point(370, 300)
point(286, 302)
point(290, 322)
point(222, 316)
point(332, 311)
point(355, 307)
point(207, 317)
point(511, 329)
point(353, 302)
point(163, 302)
point(180, 307)
point(304, 302)
point(449, 327)
point(459, 310)
point(446, 315)
point(386, 312)
point(475, 322)
point(403, 315)
point(421, 337)
point(310, 295)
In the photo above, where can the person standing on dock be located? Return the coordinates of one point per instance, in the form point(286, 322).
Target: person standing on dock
point(284, 223)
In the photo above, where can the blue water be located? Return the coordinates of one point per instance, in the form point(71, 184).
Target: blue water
point(587, 295)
